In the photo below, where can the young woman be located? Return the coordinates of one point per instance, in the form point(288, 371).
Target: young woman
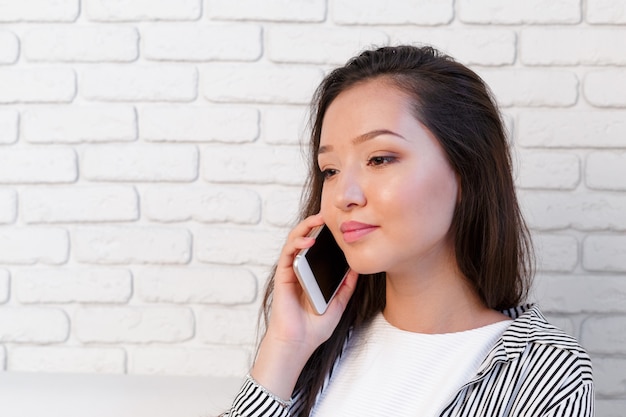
point(411, 172)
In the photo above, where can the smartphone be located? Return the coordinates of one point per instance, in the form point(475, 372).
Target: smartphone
point(321, 268)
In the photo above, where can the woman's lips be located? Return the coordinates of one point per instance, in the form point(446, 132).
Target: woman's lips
point(353, 231)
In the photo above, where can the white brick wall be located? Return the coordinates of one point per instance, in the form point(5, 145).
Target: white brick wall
point(81, 44)
point(33, 325)
point(84, 285)
point(229, 124)
point(138, 83)
point(150, 165)
point(119, 245)
point(39, 11)
point(67, 359)
point(142, 10)
point(37, 85)
point(516, 12)
point(4, 285)
point(8, 125)
point(571, 46)
point(9, 47)
point(133, 324)
point(189, 285)
point(73, 124)
point(184, 42)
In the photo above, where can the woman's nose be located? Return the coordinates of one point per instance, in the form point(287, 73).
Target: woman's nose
point(349, 192)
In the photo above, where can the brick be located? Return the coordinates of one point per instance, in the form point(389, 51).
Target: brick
point(29, 246)
point(582, 210)
point(206, 204)
point(309, 44)
point(533, 88)
point(139, 83)
point(548, 170)
point(281, 206)
point(102, 285)
point(8, 205)
point(37, 165)
point(611, 12)
point(257, 165)
point(419, 12)
point(259, 84)
point(606, 88)
point(556, 252)
point(573, 294)
point(37, 85)
point(81, 44)
point(516, 12)
point(73, 360)
point(571, 128)
point(610, 377)
point(5, 286)
point(268, 10)
point(176, 163)
point(604, 253)
point(127, 245)
point(142, 10)
point(182, 42)
point(606, 170)
point(471, 46)
point(133, 324)
point(238, 246)
point(77, 124)
point(33, 325)
point(228, 124)
point(39, 11)
point(9, 47)
point(222, 325)
point(572, 46)
point(9, 121)
point(604, 334)
point(610, 407)
point(79, 204)
point(220, 361)
point(197, 285)
point(284, 125)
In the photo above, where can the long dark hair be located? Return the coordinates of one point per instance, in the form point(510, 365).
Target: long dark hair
point(492, 243)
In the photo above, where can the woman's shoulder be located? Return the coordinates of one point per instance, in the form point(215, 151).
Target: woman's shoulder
point(530, 325)
point(533, 336)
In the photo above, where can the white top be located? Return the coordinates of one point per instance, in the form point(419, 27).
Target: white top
point(388, 371)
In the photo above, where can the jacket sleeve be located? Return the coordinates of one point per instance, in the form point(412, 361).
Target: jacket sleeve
point(579, 403)
point(255, 401)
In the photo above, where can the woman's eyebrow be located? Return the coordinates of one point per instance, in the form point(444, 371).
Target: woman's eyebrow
point(363, 138)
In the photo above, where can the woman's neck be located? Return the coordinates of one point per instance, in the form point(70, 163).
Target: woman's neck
point(442, 301)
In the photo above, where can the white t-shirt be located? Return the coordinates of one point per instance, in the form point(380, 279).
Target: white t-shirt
point(388, 371)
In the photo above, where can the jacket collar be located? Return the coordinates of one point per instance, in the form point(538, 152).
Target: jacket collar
point(515, 338)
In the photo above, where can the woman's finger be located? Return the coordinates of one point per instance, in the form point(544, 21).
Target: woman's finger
point(297, 240)
point(340, 301)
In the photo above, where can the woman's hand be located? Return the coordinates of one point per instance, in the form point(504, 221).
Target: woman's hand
point(295, 330)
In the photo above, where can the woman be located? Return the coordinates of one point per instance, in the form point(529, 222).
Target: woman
point(411, 172)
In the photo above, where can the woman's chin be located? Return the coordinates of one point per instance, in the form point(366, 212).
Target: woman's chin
point(362, 269)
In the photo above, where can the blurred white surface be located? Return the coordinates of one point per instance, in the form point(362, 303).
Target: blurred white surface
point(64, 395)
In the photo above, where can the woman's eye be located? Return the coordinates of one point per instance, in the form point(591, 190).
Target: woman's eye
point(381, 160)
point(327, 173)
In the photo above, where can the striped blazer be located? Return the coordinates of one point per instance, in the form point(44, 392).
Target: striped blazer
point(533, 370)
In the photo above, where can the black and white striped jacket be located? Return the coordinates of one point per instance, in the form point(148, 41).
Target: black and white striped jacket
point(534, 370)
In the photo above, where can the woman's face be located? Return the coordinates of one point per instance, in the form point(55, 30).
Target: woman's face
point(389, 191)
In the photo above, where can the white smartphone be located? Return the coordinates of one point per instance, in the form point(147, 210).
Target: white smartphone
point(321, 268)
